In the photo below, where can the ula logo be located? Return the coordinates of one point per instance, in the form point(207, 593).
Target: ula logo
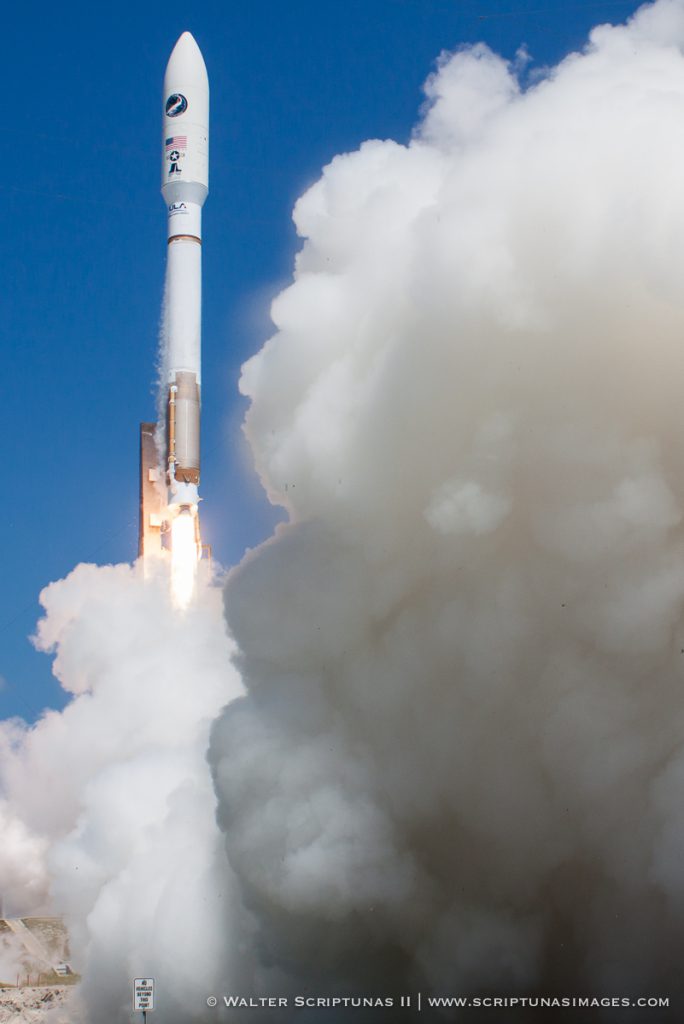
point(174, 157)
point(176, 104)
point(178, 208)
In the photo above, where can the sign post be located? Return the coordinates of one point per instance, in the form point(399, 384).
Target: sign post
point(143, 995)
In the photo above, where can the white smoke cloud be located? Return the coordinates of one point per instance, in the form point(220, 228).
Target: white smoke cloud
point(111, 804)
point(22, 862)
point(459, 760)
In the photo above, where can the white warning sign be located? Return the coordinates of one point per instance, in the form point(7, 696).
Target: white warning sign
point(143, 994)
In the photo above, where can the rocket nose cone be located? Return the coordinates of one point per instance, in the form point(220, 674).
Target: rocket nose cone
point(186, 62)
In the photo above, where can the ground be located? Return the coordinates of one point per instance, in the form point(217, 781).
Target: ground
point(32, 1005)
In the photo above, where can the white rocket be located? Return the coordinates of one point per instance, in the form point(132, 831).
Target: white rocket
point(185, 184)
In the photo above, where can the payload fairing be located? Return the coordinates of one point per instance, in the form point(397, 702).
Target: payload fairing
point(185, 184)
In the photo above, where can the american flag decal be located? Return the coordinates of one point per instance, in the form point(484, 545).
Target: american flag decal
point(177, 142)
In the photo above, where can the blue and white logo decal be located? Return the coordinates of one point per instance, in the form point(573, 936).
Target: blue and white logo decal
point(176, 104)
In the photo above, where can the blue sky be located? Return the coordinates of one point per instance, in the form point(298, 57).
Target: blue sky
point(83, 242)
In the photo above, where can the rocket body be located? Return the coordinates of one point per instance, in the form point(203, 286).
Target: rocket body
point(185, 184)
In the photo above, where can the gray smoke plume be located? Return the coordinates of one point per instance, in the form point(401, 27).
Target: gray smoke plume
point(459, 760)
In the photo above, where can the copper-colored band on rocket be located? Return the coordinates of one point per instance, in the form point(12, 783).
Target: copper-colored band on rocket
point(184, 415)
point(184, 238)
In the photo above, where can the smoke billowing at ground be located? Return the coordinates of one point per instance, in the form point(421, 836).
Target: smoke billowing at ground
point(110, 813)
point(459, 759)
